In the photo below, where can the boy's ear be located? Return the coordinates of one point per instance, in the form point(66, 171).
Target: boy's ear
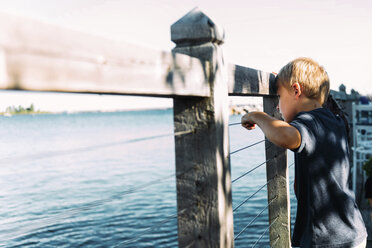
point(297, 90)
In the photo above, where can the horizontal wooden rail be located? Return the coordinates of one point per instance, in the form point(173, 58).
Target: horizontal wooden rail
point(42, 57)
point(243, 81)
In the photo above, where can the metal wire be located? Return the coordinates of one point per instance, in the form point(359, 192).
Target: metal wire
point(43, 155)
point(236, 179)
point(247, 147)
point(276, 240)
point(72, 212)
point(174, 216)
point(242, 203)
point(191, 244)
point(49, 221)
point(275, 220)
point(250, 223)
point(184, 132)
point(146, 230)
point(268, 147)
point(233, 124)
point(52, 220)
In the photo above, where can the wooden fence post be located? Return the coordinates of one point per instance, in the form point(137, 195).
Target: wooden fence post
point(204, 200)
point(278, 186)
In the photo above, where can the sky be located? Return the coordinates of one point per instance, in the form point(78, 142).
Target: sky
point(259, 34)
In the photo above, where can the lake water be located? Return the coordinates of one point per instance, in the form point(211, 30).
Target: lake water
point(107, 180)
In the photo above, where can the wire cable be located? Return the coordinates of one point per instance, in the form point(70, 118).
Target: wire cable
point(275, 220)
point(250, 223)
point(276, 240)
point(49, 154)
point(49, 221)
point(268, 147)
point(246, 147)
point(246, 173)
point(233, 124)
point(243, 202)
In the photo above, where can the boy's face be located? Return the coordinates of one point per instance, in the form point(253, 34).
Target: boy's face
point(287, 103)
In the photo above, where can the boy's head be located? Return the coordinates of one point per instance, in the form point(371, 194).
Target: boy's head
point(311, 77)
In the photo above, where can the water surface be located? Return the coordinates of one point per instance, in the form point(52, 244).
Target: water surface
point(107, 180)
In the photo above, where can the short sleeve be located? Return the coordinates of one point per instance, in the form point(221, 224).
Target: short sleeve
point(304, 124)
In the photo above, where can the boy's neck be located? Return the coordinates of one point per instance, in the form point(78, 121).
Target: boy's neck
point(308, 104)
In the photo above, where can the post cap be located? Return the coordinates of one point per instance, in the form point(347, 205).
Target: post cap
point(195, 28)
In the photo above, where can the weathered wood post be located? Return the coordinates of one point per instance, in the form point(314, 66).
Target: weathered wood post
point(278, 186)
point(204, 199)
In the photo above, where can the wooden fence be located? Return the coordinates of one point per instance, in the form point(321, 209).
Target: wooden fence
point(40, 57)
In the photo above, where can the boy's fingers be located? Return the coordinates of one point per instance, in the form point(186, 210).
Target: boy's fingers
point(246, 123)
point(249, 126)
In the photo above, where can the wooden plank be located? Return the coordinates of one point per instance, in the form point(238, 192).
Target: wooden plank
point(204, 198)
point(42, 57)
point(244, 81)
point(278, 186)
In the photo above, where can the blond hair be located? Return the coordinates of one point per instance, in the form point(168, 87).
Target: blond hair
point(312, 78)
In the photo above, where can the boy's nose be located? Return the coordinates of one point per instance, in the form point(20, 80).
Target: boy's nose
point(277, 107)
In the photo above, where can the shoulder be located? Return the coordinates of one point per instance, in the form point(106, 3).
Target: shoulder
point(311, 125)
point(318, 113)
point(320, 118)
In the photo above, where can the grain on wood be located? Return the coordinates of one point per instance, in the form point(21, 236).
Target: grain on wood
point(202, 157)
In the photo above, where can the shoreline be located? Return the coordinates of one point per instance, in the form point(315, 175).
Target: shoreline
point(238, 109)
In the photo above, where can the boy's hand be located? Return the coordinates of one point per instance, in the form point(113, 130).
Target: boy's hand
point(248, 122)
point(278, 132)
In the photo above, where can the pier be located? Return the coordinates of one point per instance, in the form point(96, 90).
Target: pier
point(198, 79)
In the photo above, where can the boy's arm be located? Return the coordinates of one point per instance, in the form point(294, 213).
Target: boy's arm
point(278, 132)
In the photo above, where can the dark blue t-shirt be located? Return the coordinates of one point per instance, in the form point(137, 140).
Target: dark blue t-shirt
point(327, 215)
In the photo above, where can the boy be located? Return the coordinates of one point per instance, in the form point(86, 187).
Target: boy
point(327, 215)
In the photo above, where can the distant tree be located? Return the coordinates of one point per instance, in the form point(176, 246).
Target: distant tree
point(20, 109)
point(31, 108)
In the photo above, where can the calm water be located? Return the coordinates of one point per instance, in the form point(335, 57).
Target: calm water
point(90, 180)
